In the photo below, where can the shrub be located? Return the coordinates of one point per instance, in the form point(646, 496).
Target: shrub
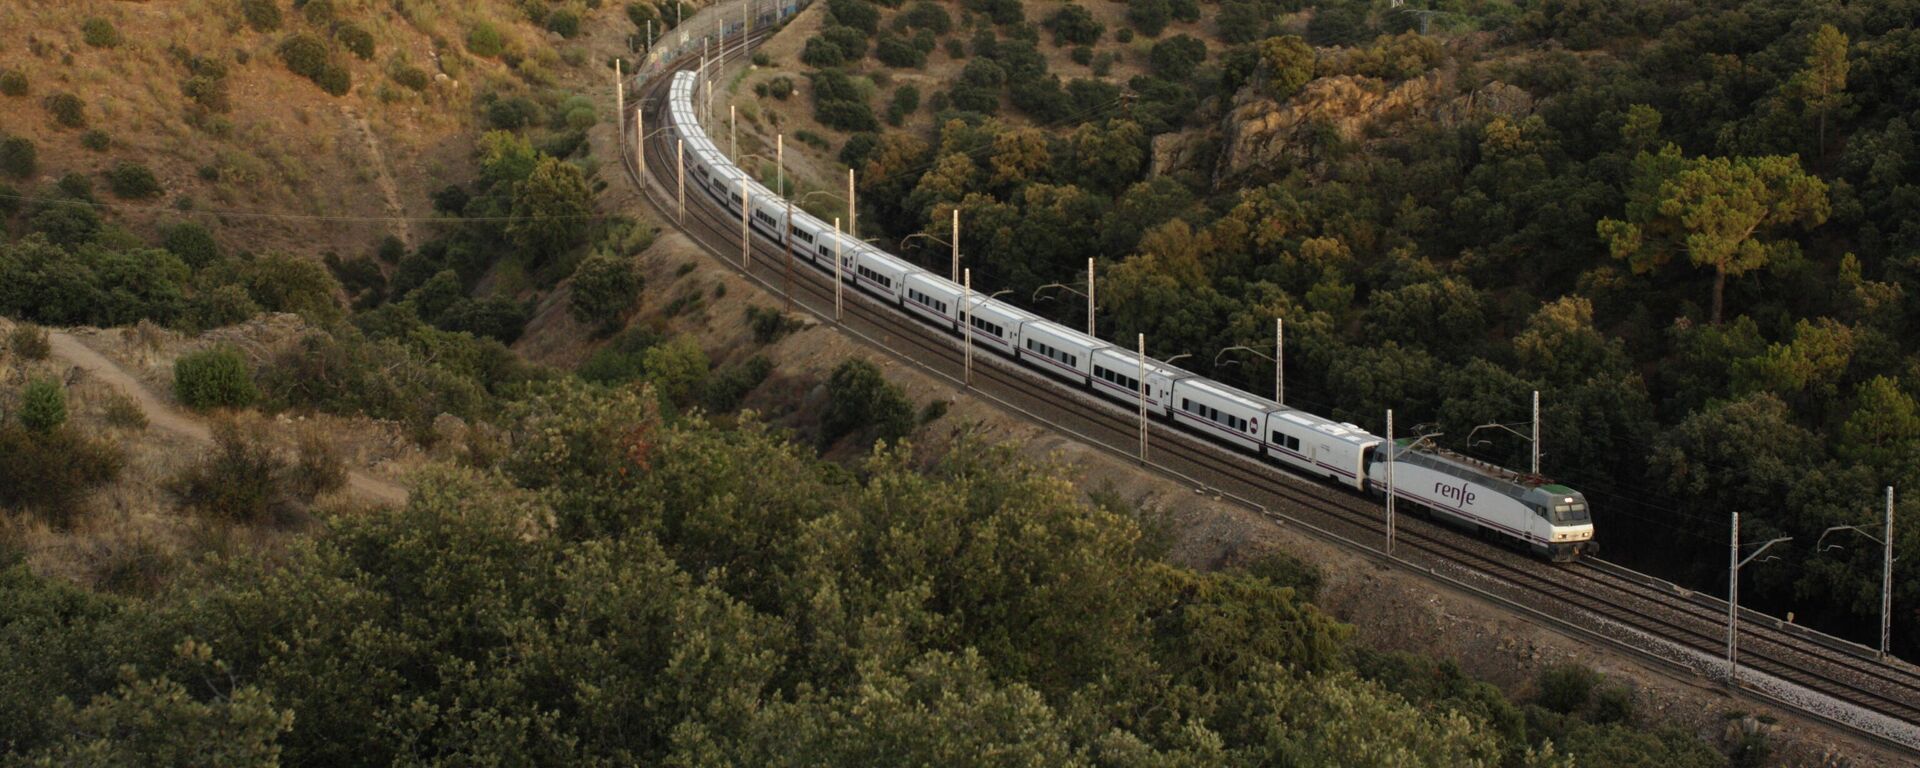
point(906, 98)
point(621, 360)
point(13, 82)
point(851, 42)
point(18, 157)
point(99, 33)
point(52, 472)
point(411, 77)
point(859, 14)
point(208, 92)
point(1175, 57)
point(564, 22)
point(859, 398)
point(132, 180)
point(318, 467)
point(605, 287)
point(262, 15)
point(1074, 25)
point(641, 14)
point(1565, 688)
point(1002, 12)
point(304, 55)
point(760, 59)
point(1124, 35)
point(484, 40)
point(820, 52)
point(318, 12)
point(96, 140)
point(898, 52)
point(43, 406)
point(1082, 55)
point(780, 87)
point(68, 110)
point(725, 389)
point(929, 16)
point(242, 481)
point(956, 50)
point(1613, 704)
point(192, 243)
point(846, 116)
point(124, 413)
point(356, 40)
point(30, 342)
point(217, 377)
point(770, 325)
point(1149, 16)
point(76, 186)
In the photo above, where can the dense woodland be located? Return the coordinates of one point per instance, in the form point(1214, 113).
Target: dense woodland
point(1696, 241)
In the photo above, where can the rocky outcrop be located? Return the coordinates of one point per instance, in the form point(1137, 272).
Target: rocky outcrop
point(1260, 132)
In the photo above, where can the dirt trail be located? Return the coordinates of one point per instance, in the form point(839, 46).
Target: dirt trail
point(383, 176)
point(159, 414)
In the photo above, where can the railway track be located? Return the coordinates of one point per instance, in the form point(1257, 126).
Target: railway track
point(1878, 701)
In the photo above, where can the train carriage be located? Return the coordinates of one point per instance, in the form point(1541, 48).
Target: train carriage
point(996, 324)
point(880, 274)
point(1058, 350)
point(1116, 375)
point(1220, 412)
point(933, 298)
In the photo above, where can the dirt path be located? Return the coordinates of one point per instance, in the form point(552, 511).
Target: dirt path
point(383, 177)
point(159, 414)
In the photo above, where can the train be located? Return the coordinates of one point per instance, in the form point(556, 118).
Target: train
point(1548, 519)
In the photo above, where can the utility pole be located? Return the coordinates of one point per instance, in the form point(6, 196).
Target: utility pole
point(619, 90)
point(640, 139)
point(853, 210)
point(1886, 583)
point(780, 164)
point(1390, 490)
point(1090, 297)
point(966, 303)
point(1734, 564)
point(1142, 339)
point(956, 241)
point(746, 237)
point(1279, 360)
point(680, 166)
point(836, 270)
point(733, 131)
point(1536, 433)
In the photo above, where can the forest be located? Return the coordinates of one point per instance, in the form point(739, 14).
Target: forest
point(1689, 225)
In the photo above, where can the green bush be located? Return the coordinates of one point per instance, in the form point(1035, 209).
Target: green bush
point(13, 82)
point(304, 55)
point(621, 360)
point(770, 325)
point(132, 180)
point(317, 12)
point(1565, 688)
point(244, 480)
point(564, 22)
point(605, 288)
point(1176, 57)
point(1123, 35)
point(780, 87)
point(355, 39)
point(96, 140)
point(411, 77)
point(99, 33)
point(192, 243)
point(43, 406)
point(18, 157)
point(859, 14)
point(898, 52)
point(1082, 55)
point(262, 15)
point(484, 40)
point(68, 110)
point(929, 16)
point(210, 93)
point(53, 472)
point(1074, 25)
point(760, 59)
point(30, 342)
point(858, 399)
point(820, 52)
point(217, 377)
point(1151, 16)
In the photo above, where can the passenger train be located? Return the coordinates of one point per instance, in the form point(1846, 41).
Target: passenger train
point(1551, 520)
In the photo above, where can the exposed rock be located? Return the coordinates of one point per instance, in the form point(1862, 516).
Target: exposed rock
point(1182, 151)
point(1261, 132)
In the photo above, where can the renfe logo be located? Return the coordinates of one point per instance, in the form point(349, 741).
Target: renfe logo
point(1458, 494)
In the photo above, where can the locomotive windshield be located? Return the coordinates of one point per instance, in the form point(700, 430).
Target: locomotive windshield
point(1570, 514)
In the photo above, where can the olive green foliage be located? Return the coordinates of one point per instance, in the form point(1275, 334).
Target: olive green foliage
point(43, 406)
point(216, 377)
point(770, 325)
point(19, 158)
point(1074, 25)
point(132, 180)
point(840, 618)
point(96, 140)
point(605, 288)
point(551, 208)
point(67, 110)
point(862, 402)
point(262, 15)
point(484, 40)
point(1149, 16)
point(29, 342)
point(838, 104)
point(13, 82)
point(1701, 236)
point(404, 371)
point(356, 40)
point(52, 472)
point(243, 479)
point(308, 56)
point(99, 33)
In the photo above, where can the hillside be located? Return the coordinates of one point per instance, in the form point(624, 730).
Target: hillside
point(201, 94)
point(1688, 226)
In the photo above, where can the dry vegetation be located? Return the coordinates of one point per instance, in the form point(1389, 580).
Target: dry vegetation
point(261, 138)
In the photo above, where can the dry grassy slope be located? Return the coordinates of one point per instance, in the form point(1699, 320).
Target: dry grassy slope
point(292, 150)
